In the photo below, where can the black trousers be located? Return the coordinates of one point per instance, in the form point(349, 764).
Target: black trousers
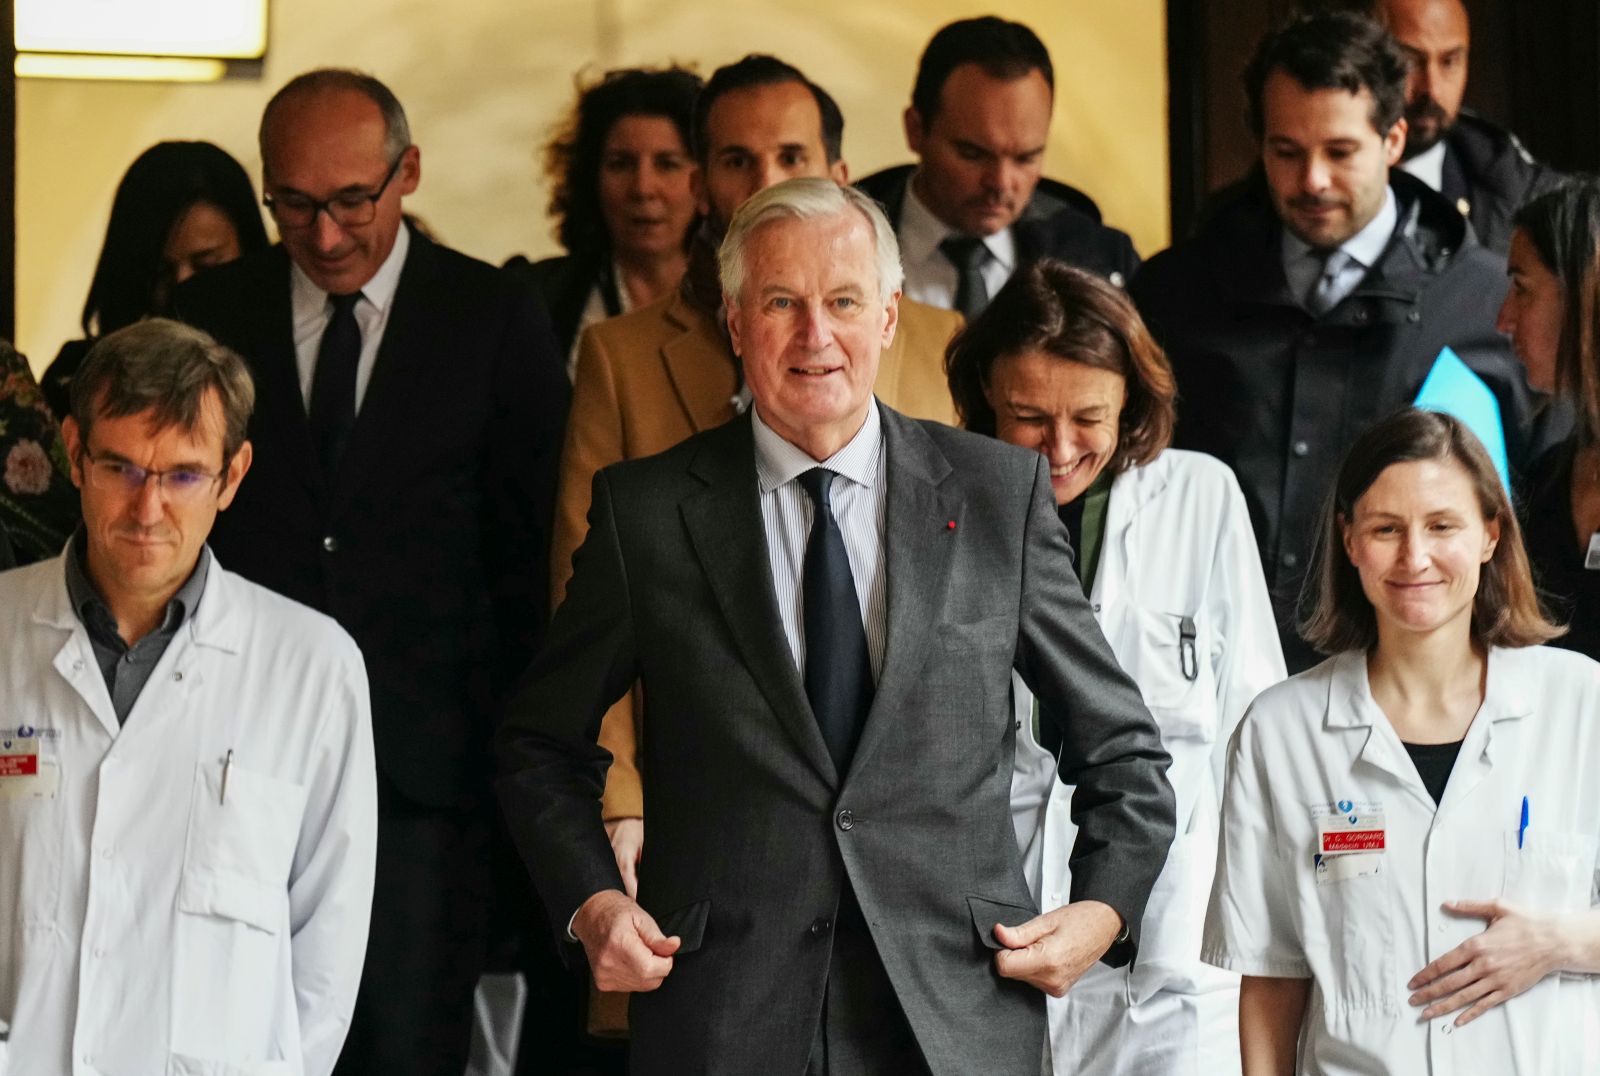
point(863, 1030)
point(427, 943)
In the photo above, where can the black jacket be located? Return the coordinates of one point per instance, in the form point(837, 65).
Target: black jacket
point(1487, 171)
point(1280, 395)
point(565, 282)
point(429, 544)
point(1060, 222)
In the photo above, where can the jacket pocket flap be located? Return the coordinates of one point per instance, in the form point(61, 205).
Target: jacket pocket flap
point(688, 923)
point(230, 896)
point(986, 913)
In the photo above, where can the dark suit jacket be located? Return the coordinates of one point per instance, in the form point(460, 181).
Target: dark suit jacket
point(1060, 222)
point(565, 283)
point(429, 544)
point(752, 832)
point(1489, 173)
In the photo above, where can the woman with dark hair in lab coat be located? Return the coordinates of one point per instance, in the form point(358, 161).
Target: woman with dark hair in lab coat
point(1410, 830)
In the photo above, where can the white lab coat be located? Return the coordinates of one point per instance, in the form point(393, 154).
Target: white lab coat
point(147, 926)
point(1319, 743)
point(1177, 543)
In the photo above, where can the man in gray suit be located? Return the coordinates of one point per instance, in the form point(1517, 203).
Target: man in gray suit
point(825, 601)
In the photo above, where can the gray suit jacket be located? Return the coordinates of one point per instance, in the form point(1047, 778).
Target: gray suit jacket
point(752, 832)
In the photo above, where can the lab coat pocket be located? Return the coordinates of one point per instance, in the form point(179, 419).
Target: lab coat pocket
point(1169, 938)
point(1552, 871)
point(1166, 656)
point(184, 1065)
point(1355, 909)
point(230, 956)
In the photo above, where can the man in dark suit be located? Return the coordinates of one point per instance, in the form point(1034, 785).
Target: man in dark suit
point(974, 210)
point(407, 429)
point(1482, 169)
point(824, 601)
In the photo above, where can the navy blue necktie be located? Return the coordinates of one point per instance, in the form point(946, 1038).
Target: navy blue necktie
point(333, 382)
point(838, 671)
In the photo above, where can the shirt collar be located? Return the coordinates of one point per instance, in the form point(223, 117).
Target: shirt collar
point(778, 461)
point(921, 232)
point(379, 291)
point(92, 609)
point(1428, 166)
point(1364, 248)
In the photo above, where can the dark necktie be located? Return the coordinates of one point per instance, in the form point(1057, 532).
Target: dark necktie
point(968, 255)
point(838, 671)
point(1326, 290)
point(333, 382)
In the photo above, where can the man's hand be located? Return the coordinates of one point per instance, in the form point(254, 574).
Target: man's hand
point(1514, 952)
point(627, 844)
point(625, 948)
point(1052, 950)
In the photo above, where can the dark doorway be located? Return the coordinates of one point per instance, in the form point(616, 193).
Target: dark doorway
point(1535, 69)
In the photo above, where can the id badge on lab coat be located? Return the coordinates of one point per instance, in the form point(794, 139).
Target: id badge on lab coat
point(1351, 840)
point(26, 771)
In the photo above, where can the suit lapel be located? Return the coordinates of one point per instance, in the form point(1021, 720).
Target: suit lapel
point(699, 365)
point(918, 542)
point(724, 524)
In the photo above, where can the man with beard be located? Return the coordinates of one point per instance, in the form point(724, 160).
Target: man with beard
point(1319, 298)
point(1483, 169)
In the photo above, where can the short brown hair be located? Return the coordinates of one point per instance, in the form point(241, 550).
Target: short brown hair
point(164, 367)
point(1505, 611)
point(1074, 316)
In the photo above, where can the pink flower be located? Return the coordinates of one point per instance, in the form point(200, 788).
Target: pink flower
point(27, 468)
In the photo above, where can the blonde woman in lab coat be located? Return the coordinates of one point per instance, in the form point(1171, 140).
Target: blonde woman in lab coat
point(1060, 362)
point(1410, 829)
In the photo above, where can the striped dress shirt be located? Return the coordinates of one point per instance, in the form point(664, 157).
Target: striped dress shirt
point(857, 497)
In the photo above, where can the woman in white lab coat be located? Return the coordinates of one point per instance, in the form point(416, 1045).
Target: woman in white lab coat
point(1411, 829)
point(1060, 362)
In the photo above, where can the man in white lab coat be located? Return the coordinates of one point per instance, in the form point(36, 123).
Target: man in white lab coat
point(187, 792)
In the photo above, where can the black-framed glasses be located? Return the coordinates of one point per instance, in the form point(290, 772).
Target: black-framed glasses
point(119, 476)
point(347, 209)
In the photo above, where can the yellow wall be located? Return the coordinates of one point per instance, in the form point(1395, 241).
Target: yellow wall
point(483, 80)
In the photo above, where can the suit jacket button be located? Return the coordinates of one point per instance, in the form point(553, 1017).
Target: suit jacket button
point(819, 927)
point(331, 544)
point(846, 820)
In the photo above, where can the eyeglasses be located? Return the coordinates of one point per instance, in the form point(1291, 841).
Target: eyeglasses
point(119, 476)
point(347, 209)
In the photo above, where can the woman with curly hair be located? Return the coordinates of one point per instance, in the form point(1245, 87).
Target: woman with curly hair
point(621, 173)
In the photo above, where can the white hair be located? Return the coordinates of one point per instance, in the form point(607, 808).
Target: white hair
point(807, 199)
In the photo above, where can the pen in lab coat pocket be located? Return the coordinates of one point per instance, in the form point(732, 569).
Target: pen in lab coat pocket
point(1523, 828)
point(227, 764)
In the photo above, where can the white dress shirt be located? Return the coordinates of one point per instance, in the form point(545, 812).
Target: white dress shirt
point(311, 310)
point(931, 277)
point(857, 497)
point(1428, 166)
point(1302, 263)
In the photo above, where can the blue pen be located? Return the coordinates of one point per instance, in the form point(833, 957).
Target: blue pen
point(1524, 827)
